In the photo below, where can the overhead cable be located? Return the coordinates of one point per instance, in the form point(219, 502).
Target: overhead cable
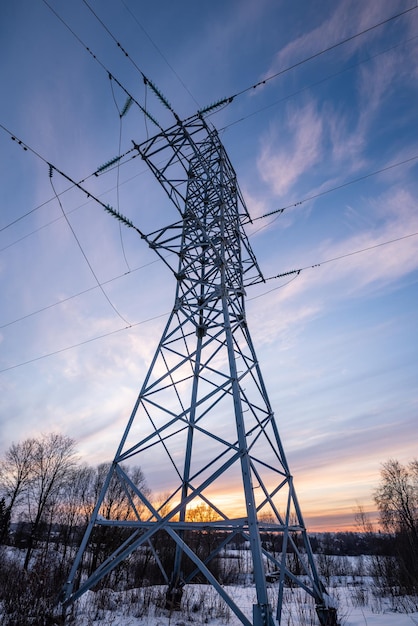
point(331, 189)
point(76, 295)
point(294, 273)
point(111, 76)
point(82, 343)
point(318, 82)
point(323, 51)
point(39, 206)
point(51, 171)
point(127, 222)
point(159, 51)
point(232, 97)
point(224, 101)
point(74, 183)
point(78, 184)
point(342, 256)
point(146, 80)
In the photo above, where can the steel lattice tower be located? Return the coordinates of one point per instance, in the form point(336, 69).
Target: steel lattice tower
point(203, 413)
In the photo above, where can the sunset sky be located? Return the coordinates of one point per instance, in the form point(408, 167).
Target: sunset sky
point(332, 138)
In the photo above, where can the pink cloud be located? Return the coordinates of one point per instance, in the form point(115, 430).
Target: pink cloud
point(282, 163)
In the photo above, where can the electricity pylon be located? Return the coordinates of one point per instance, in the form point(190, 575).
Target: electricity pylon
point(203, 418)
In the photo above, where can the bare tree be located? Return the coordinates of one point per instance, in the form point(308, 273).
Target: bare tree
point(53, 459)
point(4, 520)
point(16, 472)
point(74, 506)
point(117, 501)
point(397, 496)
point(363, 521)
point(121, 502)
point(397, 500)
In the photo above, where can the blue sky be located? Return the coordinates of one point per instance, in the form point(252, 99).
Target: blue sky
point(338, 342)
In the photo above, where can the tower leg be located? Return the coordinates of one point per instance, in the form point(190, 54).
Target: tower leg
point(327, 616)
point(262, 615)
point(173, 597)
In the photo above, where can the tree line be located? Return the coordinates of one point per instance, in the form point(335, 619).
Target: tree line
point(47, 496)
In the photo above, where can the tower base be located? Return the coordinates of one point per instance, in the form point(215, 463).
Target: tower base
point(327, 616)
point(262, 615)
point(173, 598)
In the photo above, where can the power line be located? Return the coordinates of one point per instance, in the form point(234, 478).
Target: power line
point(116, 214)
point(121, 114)
point(146, 80)
point(159, 52)
point(342, 256)
point(323, 51)
point(25, 147)
point(316, 83)
point(226, 100)
point(331, 189)
point(229, 99)
point(76, 295)
point(111, 76)
point(296, 273)
point(265, 293)
point(39, 206)
point(107, 208)
point(78, 184)
point(276, 74)
point(51, 171)
point(348, 254)
point(81, 343)
point(277, 211)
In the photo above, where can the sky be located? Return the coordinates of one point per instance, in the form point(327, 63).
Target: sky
point(331, 138)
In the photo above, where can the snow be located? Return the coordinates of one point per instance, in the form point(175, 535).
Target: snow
point(202, 605)
point(358, 599)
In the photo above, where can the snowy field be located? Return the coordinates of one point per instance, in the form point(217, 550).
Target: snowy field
point(357, 594)
point(201, 605)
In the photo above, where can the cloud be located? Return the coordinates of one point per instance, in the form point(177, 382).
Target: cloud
point(280, 163)
point(378, 81)
point(349, 18)
point(353, 122)
point(384, 263)
point(284, 315)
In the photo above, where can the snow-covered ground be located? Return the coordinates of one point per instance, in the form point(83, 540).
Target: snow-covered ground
point(354, 590)
point(202, 605)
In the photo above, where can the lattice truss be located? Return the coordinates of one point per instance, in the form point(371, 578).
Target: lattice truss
point(203, 418)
